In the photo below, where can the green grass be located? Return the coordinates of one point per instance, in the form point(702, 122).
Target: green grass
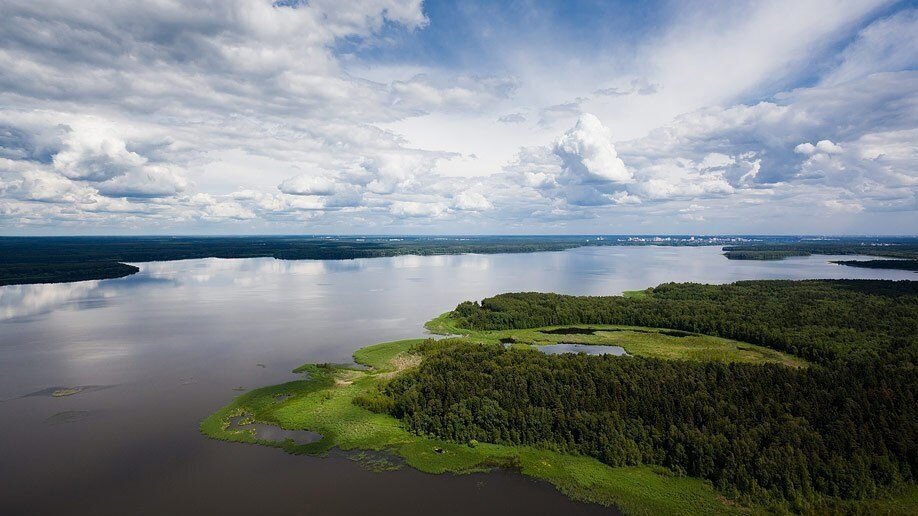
point(380, 356)
point(444, 324)
point(635, 293)
point(638, 341)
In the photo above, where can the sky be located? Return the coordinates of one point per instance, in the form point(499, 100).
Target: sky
point(473, 117)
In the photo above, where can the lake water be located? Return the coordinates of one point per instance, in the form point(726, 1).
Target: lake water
point(158, 351)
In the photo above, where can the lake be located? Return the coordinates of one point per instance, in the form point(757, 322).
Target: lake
point(154, 353)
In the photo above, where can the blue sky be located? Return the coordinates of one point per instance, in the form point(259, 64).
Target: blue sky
point(464, 34)
point(402, 116)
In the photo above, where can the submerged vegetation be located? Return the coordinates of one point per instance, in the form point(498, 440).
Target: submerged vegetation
point(663, 430)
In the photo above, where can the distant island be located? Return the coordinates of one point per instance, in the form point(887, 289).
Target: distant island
point(903, 250)
point(902, 265)
point(25, 260)
point(754, 396)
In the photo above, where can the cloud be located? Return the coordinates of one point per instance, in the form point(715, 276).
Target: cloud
point(472, 201)
point(639, 86)
point(413, 209)
point(148, 181)
point(421, 93)
point(307, 184)
point(581, 166)
point(551, 114)
point(824, 146)
point(588, 156)
point(880, 47)
point(512, 118)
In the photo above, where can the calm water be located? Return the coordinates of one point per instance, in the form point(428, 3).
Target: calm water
point(560, 349)
point(158, 351)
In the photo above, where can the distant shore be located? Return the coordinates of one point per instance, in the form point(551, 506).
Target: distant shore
point(26, 260)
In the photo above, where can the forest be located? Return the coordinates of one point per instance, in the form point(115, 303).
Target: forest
point(809, 438)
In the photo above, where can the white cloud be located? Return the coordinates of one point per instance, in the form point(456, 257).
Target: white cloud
point(805, 148)
point(884, 46)
point(716, 160)
point(308, 184)
point(588, 156)
point(828, 147)
point(417, 209)
point(472, 201)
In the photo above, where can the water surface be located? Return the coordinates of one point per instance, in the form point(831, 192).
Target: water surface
point(589, 349)
point(156, 352)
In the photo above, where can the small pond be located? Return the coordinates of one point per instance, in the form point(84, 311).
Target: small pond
point(557, 349)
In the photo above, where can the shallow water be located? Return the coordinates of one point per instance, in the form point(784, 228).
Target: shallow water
point(589, 349)
point(274, 433)
point(173, 342)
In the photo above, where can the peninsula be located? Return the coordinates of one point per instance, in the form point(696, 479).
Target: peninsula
point(759, 395)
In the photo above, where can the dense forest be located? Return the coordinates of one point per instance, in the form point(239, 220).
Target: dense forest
point(797, 438)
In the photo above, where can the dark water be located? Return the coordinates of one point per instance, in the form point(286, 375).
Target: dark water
point(158, 351)
point(559, 349)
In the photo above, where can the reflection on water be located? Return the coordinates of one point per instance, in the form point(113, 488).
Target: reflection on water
point(589, 349)
point(25, 300)
point(173, 340)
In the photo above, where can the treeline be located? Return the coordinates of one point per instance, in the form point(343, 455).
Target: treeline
point(902, 265)
point(793, 438)
point(905, 247)
point(59, 259)
point(820, 320)
point(17, 274)
point(764, 255)
point(146, 249)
